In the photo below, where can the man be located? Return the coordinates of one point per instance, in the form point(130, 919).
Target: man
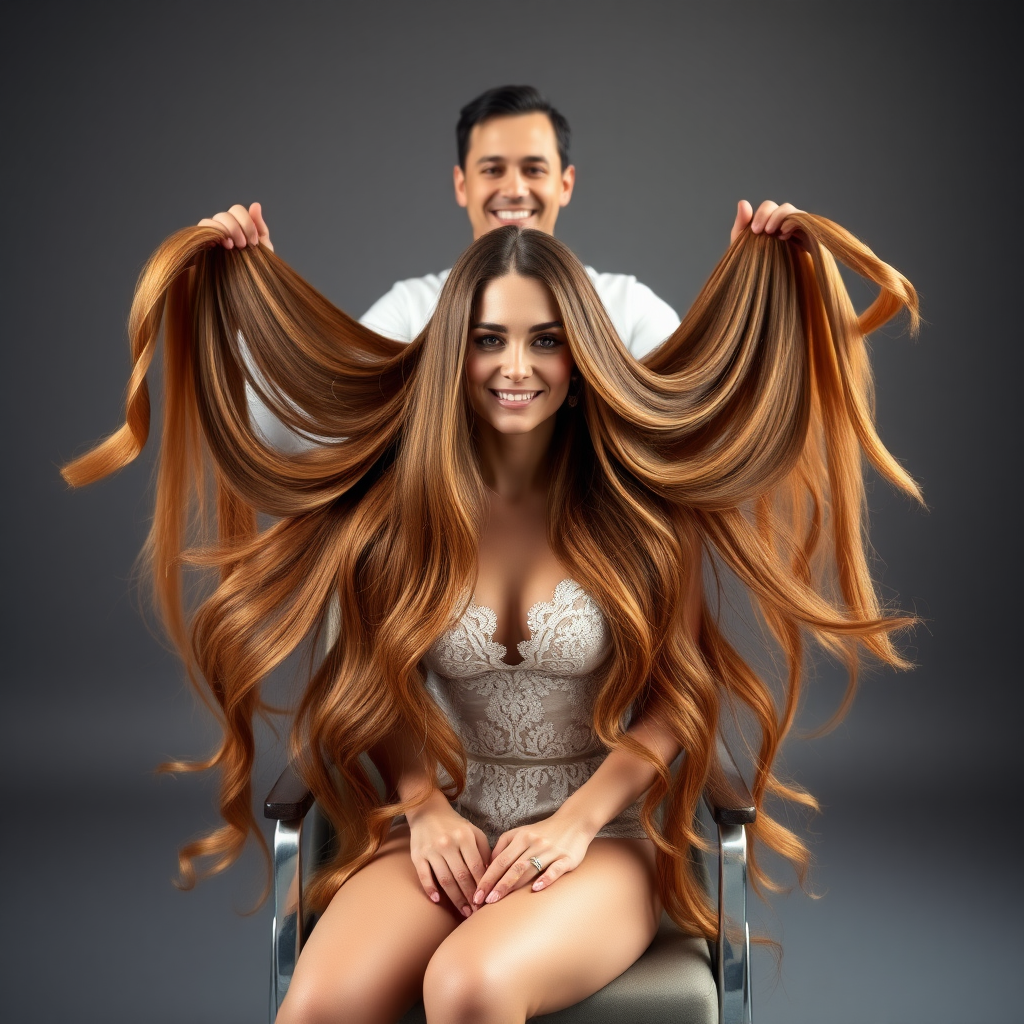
point(514, 168)
point(513, 150)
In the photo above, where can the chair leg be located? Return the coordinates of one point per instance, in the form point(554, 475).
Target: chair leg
point(733, 965)
point(288, 927)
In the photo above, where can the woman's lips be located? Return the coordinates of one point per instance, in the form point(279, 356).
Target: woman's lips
point(513, 399)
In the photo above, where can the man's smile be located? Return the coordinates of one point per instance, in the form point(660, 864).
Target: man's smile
point(516, 215)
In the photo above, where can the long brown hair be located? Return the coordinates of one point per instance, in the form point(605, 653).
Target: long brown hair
point(737, 445)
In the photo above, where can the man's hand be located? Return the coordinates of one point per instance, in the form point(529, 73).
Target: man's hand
point(769, 218)
point(240, 227)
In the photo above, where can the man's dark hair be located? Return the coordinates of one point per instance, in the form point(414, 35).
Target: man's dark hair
point(503, 101)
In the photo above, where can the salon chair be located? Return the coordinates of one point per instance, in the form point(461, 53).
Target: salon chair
point(679, 979)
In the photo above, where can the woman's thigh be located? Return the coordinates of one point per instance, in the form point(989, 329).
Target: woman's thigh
point(364, 961)
point(536, 952)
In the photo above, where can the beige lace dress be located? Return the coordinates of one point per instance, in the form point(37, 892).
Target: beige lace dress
point(526, 727)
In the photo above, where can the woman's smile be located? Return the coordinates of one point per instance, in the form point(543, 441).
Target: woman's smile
point(513, 399)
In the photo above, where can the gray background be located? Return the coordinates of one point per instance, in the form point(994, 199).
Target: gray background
point(123, 123)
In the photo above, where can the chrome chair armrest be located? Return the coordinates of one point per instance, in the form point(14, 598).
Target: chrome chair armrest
point(287, 804)
point(732, 960)
point(728, 796)
point(732, 808)
point(290, 799)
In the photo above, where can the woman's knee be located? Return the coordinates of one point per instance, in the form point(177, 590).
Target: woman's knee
point(463, 985)
point(337, 999)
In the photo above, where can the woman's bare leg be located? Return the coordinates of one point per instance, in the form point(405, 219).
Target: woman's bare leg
point(536, 952)
point(364, 961)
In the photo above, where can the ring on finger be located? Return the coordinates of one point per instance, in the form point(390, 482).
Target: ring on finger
point(535, 861)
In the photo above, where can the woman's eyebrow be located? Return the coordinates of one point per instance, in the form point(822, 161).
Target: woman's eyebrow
point(504, 330)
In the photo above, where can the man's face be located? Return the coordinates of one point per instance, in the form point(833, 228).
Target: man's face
point(513, 175)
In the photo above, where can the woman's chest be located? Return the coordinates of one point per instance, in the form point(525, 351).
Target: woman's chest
point(516, 573)
point(566, 636)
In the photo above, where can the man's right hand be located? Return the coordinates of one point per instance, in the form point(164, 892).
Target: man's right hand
point(240, 227)
point(446, 847)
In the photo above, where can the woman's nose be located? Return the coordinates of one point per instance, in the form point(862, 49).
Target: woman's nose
point(517, 365)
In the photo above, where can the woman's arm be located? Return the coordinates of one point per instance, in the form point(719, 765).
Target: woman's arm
point(399, 760)
point(621, 779)
point(443, 845)
point(560, 842)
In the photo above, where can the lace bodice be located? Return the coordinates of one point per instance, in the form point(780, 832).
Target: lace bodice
point(526, 727)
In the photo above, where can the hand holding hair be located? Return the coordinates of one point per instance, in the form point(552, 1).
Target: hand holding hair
point(240, 227)
point(768, 219)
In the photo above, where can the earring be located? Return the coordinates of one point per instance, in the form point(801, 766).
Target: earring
point(575, 388)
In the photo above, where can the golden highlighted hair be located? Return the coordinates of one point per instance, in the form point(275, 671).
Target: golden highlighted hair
point(739, 442)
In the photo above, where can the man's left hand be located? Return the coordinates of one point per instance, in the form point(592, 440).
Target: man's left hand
point(768, 219)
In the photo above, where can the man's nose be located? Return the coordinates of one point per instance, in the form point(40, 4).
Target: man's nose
point(515, 185)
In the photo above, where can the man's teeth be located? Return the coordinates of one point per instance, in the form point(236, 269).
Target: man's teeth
point(516, 396)
point(512, 214)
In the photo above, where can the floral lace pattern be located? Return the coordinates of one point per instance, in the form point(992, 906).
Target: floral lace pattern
point(526, 727)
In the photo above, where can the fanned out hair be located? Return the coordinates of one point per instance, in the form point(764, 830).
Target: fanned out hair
point(740, 442)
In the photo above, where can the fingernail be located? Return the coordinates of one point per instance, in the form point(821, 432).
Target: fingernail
point(435, 897)
point(493, 898)
point(479, 897)
point(537, 886)
point(466, 911)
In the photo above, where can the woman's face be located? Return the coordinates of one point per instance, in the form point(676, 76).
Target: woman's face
point(518, 363)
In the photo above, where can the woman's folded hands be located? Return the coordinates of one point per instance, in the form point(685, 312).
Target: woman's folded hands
point(558, 844)
point(449, 853)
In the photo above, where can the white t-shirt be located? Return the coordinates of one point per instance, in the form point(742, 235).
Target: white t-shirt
point(642, 320)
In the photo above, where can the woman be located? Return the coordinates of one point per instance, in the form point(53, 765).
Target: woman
point(511, 481)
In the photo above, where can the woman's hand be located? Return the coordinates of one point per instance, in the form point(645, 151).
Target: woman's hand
point(446, 847)
point(558, 842)
point(769, 218)
point(240, 227)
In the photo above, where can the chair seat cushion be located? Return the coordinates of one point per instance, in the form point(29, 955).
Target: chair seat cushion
point(671, 983)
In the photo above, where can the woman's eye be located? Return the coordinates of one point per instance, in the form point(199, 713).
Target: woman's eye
point(490, 341)
point(547, 341)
